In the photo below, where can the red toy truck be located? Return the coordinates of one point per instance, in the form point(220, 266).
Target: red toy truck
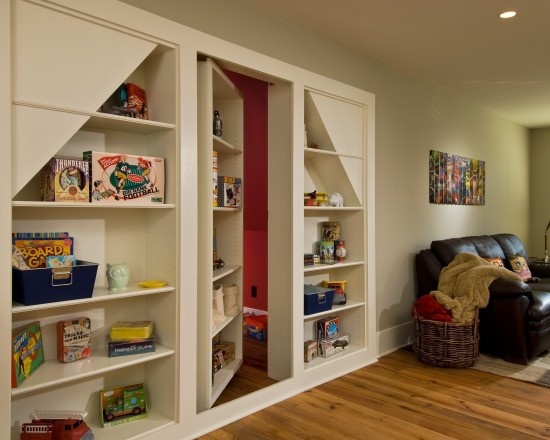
point(57, 425)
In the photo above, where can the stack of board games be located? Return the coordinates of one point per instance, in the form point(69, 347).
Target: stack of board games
point(125, 178)
point(27, 352)
point(330, 341)
point(130, 337)
point(74, 339)
point(33, 250)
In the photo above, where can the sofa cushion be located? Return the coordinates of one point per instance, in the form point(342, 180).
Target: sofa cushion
point(511, 245)
point(487, 247)
point(495, 261)
point(519, 266)
point(446, 250)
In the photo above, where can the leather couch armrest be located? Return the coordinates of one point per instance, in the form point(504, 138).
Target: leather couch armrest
point(428, 268)
point(501, 288)
point(540, 270)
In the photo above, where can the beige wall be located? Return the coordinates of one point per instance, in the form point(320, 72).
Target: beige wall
point(539, 190)
point(411, 118)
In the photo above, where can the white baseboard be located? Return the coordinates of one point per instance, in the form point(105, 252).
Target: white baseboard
point(394, 338)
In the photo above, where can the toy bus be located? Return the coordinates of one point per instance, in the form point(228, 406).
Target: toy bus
point(57, 425)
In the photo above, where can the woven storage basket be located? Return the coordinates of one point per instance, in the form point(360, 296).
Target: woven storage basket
point(446, 344)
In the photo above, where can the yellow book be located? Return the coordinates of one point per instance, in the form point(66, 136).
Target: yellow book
point(123, 330)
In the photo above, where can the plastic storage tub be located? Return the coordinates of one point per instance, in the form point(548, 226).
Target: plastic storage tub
point(317, 299)
point(46, 285)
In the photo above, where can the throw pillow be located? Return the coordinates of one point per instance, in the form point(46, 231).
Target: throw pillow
point(519, 266)
point(495, 261)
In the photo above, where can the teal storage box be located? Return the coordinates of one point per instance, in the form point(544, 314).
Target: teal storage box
point(317, 299)
point(47, 285)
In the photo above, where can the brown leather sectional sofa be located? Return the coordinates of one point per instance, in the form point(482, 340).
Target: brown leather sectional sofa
point(516, 323)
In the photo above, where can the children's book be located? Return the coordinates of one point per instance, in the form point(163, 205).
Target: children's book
point(27, 352)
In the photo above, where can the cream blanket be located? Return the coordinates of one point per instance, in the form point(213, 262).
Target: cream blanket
point(464, 285)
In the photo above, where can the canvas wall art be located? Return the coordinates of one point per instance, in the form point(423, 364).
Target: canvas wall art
point(456, 180)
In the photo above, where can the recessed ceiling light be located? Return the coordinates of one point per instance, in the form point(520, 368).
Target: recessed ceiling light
point(508, 14)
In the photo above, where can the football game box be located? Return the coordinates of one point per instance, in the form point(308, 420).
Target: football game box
point(125, 178)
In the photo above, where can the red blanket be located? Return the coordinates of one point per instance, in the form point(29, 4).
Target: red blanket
point(427, 307)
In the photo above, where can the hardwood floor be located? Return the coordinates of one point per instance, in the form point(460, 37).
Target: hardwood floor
point(400, 398)
point(252, 375)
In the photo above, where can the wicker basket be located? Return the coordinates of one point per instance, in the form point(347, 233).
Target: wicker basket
point(446, 344)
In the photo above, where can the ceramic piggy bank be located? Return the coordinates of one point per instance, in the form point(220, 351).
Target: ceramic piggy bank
point(118, 276)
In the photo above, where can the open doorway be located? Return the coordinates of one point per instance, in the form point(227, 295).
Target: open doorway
point(253, 373)
point(264, 341)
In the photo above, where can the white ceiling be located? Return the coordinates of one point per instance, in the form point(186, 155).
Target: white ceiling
point(459, 45)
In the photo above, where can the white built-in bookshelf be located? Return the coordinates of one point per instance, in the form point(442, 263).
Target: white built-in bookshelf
point(66, 61)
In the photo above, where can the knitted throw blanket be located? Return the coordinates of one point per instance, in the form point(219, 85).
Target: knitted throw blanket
point(464, 285)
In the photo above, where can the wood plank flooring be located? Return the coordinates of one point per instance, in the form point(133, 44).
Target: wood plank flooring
point(401, 398)
point(252, 375)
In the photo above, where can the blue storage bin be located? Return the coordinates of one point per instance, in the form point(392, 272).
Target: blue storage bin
point(46, 285)
point(317, 299)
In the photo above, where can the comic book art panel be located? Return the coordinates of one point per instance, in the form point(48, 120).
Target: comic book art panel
point(455, 180)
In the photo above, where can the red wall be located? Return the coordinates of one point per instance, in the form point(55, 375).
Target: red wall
point(254, 188)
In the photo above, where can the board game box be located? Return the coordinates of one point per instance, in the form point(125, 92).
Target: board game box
point(229, 191)
point(117, 348)
point(124, 330)
point(60, 260)
point(74, 339)
point(222, 354)
point(125, 178)
point(65, 180)
point(214, 178)
point(35, 250)
point(27, 352)
point(329, 347)
point(327, 328)
point(310, 350)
